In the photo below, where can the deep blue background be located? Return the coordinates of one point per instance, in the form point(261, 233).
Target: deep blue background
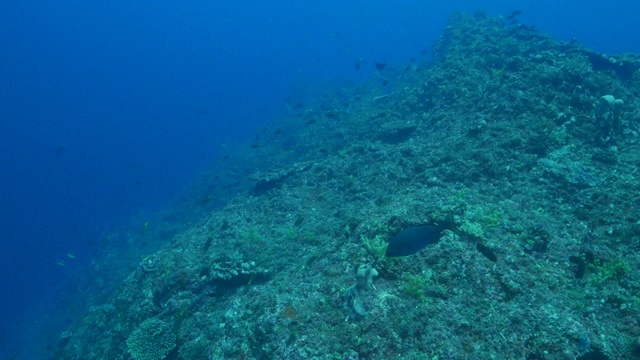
point(108, 108)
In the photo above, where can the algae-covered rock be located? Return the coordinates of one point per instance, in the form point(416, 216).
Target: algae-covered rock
point(365, 274)
point(152, 340)
point(353, 295)
point(608, 114)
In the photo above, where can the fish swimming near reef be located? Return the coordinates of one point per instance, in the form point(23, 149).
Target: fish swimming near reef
point(415, 238)
point(380, 66)
point(513, 14)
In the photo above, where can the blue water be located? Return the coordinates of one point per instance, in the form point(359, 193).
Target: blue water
point(111, 108)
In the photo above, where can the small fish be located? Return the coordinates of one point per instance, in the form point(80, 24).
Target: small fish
point(71, 255)
point(204, 201)
point(60, 149)
point(60, 263)
point(415, 238)
point(358, 64)
point(380, 66)
point(514, 14)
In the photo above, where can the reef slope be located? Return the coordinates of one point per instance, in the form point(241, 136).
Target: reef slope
point(507, 128)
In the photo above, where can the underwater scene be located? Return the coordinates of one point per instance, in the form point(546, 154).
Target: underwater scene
point(475, 197)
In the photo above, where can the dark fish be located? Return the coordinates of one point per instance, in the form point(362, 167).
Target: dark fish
point(411, 240)
point(514, 14)
point(358, 64)
point(381, 66)
point(59, 149)
point(486, 251)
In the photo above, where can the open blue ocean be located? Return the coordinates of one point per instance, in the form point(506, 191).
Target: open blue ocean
point(111, 112)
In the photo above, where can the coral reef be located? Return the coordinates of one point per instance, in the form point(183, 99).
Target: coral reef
point(152, 340)
point(519, 136)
